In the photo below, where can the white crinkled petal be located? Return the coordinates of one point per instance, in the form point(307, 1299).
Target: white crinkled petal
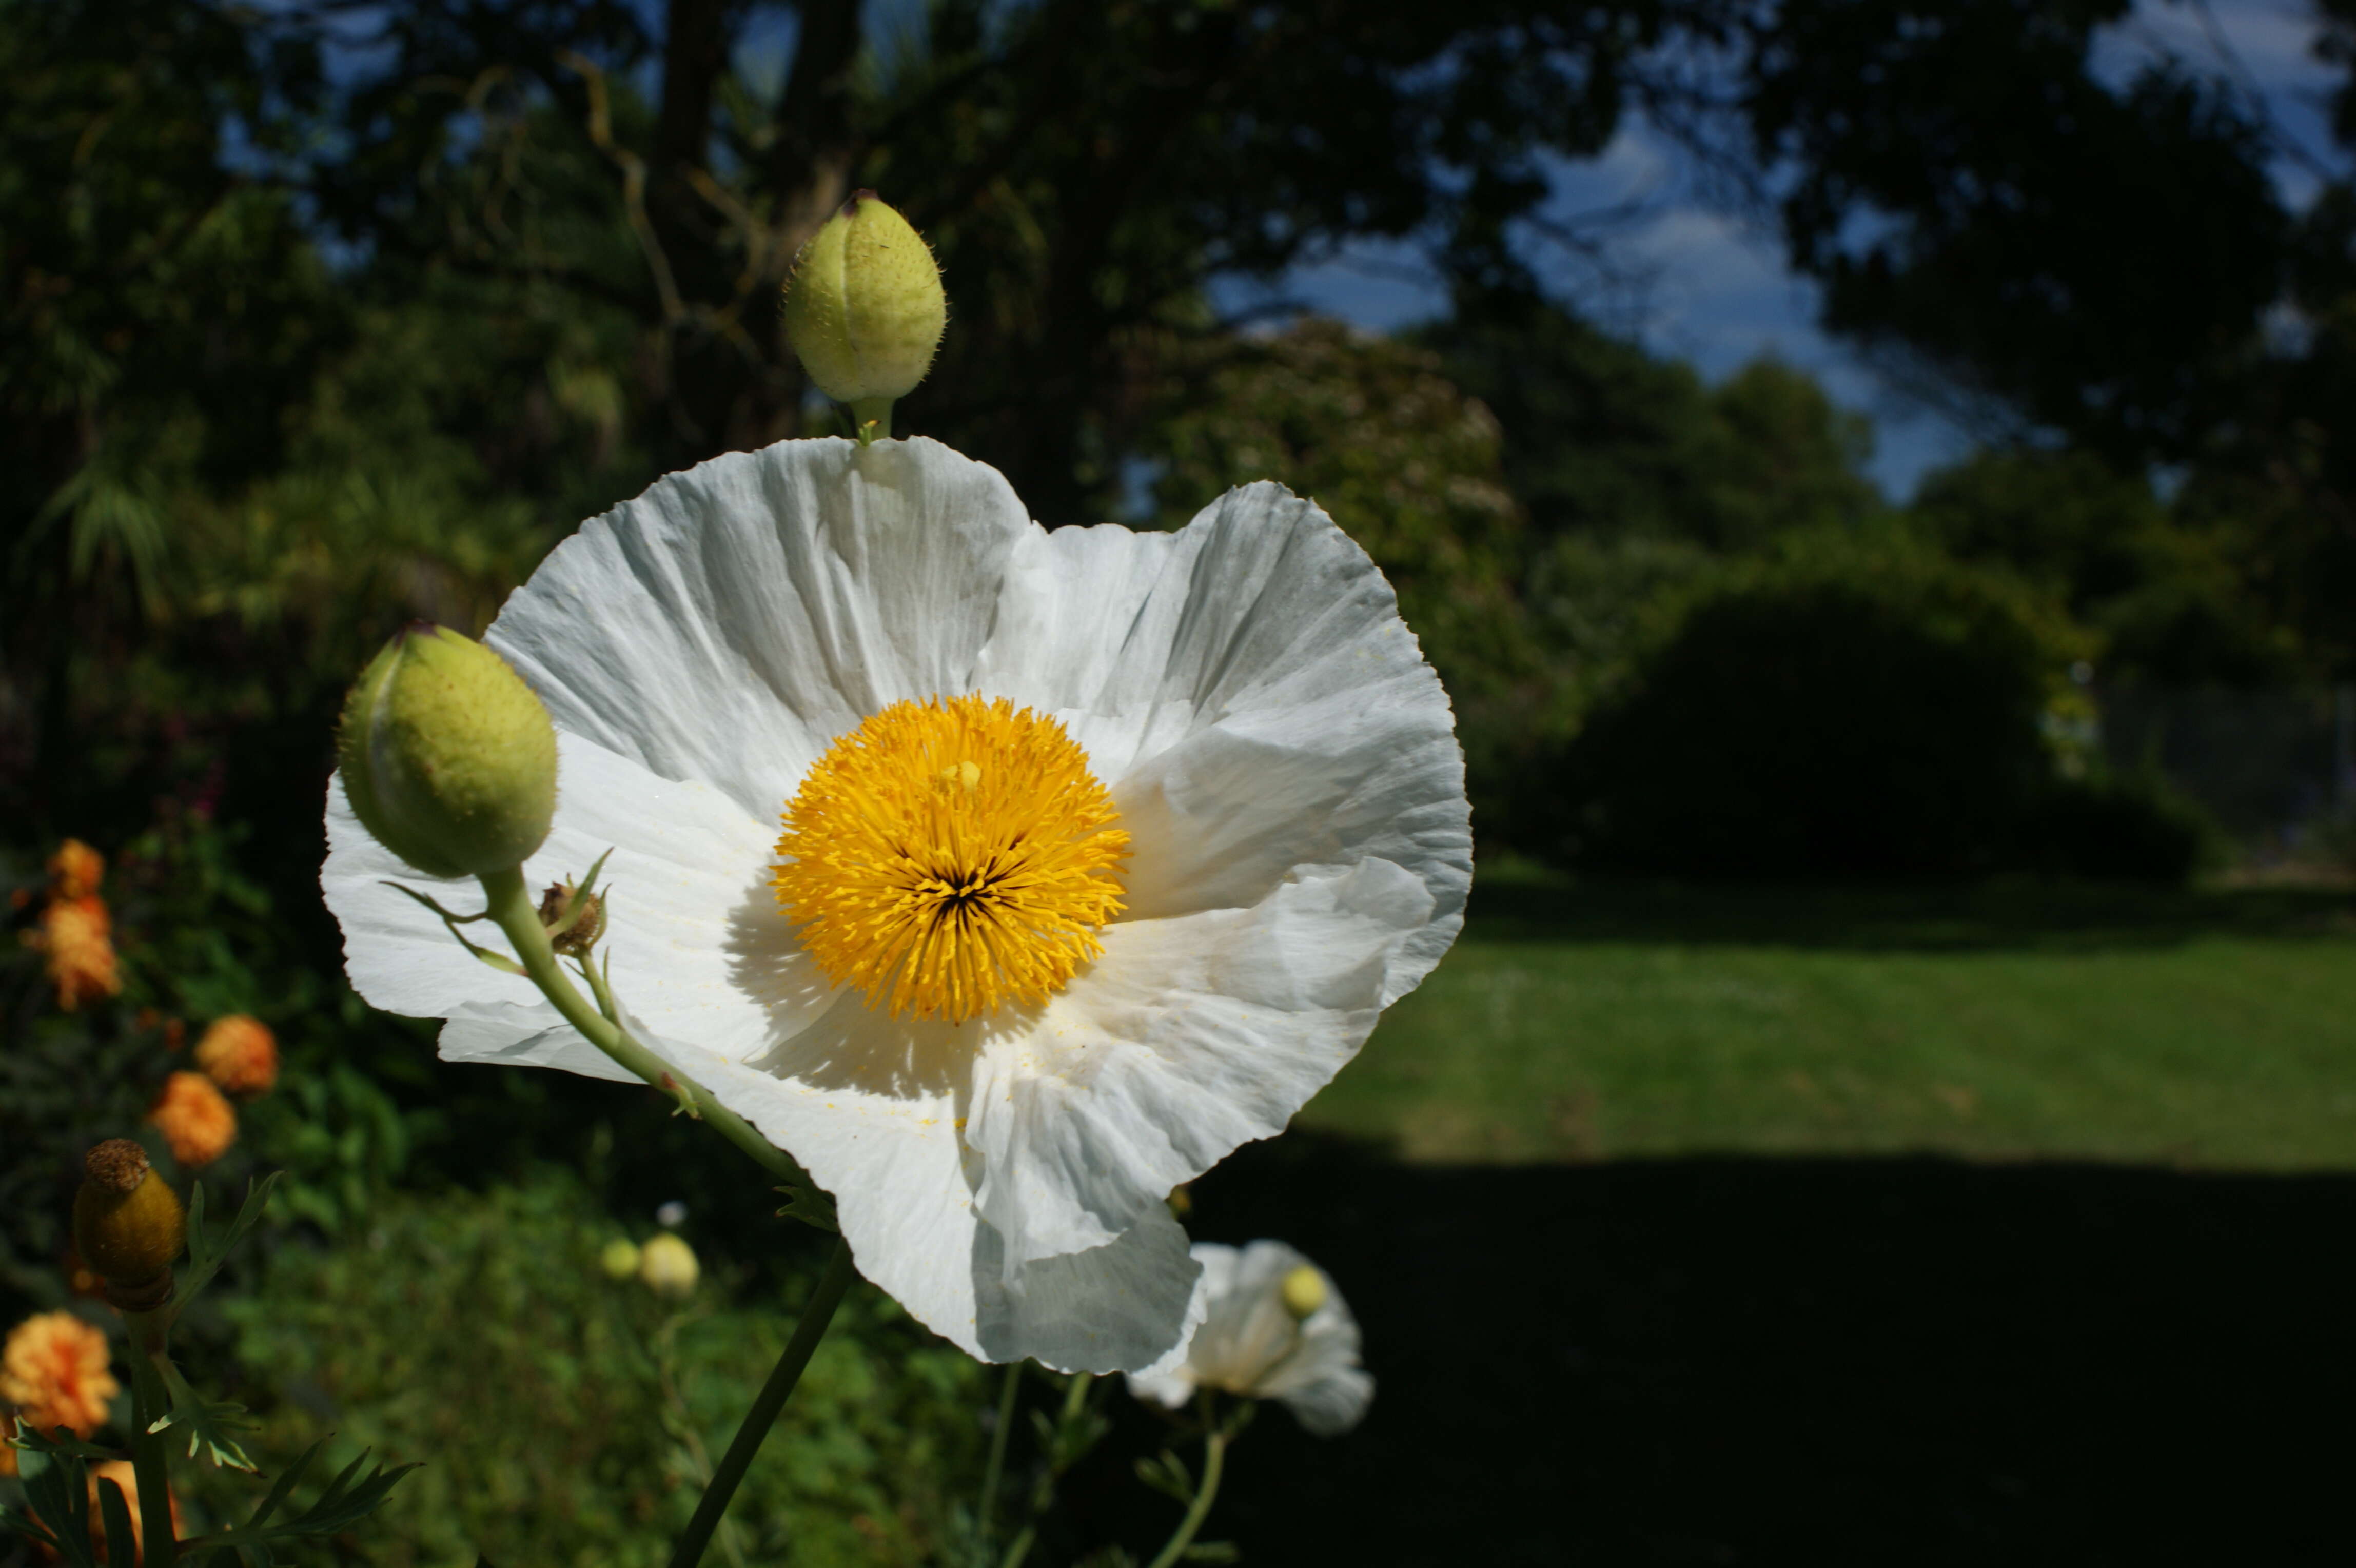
point(729, 623)
point(870, 1107)
point(1286, 764)
point(1336, 1399)
point(1187, 1038)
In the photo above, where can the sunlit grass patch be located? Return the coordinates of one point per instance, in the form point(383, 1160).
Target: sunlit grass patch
point(2206, 1029)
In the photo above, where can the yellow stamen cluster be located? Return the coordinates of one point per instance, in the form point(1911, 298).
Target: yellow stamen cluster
point(950, 856)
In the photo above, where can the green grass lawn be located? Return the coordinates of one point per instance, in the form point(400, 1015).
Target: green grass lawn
point(2212, 1028)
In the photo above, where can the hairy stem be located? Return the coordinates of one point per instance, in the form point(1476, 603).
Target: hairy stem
point(765, 1406)
point(150, 1465)
point(1215, 1453)
point(997, 1466)
point(512, 911)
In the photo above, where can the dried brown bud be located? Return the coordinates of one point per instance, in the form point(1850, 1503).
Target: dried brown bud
point(128, 1226)
point(573, 938)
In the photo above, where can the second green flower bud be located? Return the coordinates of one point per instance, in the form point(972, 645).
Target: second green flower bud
point(864, 308)
point(448, 758)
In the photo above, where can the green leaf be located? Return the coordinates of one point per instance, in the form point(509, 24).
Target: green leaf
point(286, 1482)
point(208, 1424)
point(122, 1541)
point(812, 1205)
point(349, 1497)
point(57, 1484)
point(17, 1521)
point(207, 1251)
point(39, 1442)
point(1212, 1551)
point(1167, 1473)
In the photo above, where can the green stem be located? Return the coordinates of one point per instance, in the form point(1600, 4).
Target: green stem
point(997, 1466)
point(150, 1464)
point(1215, 1453)
point(872, 411)
point(512, 911)
point(765, 1406)
point(1063, 1448)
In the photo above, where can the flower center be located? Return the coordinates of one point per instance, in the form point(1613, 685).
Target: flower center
point(948, 856)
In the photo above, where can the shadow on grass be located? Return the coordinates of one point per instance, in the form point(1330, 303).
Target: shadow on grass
point(1806, 1362)
point(2062, 917)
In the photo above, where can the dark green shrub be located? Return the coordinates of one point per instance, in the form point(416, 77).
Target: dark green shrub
point(1845, 711)
point(2119, 828)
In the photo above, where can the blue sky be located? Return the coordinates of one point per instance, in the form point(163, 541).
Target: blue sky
point(1711, 291)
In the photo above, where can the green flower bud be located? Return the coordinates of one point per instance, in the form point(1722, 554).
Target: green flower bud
point(864, 308)
point(620, 1259)
point(448, 757)
point(668, 1265)
point(128, 1225)
point(1304, 1292)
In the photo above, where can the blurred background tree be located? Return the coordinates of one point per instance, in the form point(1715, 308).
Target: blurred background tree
point(324, 317)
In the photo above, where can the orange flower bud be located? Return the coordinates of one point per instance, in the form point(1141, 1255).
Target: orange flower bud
point(76, 870)
point(239, 1054)
point(76, 935)
point(198, 1123)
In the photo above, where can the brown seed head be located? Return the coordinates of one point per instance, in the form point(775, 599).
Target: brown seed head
point(118, 1166)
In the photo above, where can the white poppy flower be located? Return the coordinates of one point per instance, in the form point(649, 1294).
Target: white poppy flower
point(1274, 1328)
point(1221, 742)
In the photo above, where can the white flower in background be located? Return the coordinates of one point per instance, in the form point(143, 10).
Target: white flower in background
point(1274, 1328)
point(1006, 879)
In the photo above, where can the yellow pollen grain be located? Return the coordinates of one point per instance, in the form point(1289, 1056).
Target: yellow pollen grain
point(947, 857)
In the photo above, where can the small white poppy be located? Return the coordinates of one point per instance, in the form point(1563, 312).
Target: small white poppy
point(1101, 853)
point(1274, 1328)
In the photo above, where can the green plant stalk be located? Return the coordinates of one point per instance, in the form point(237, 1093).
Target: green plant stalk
point(1042, 1494)
point(765, 1406)
point(1215, 1453)
point(875, 411)
point(512, 911)
point(150, 1462)
point(997, 1466)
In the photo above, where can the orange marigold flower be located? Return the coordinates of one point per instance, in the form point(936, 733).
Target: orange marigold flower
point(239, 1054)
point(119, 1471)
point(7, 1451)
point(75, 935)
point(195, 1120)
point(76, 870)
point(55, 1370)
